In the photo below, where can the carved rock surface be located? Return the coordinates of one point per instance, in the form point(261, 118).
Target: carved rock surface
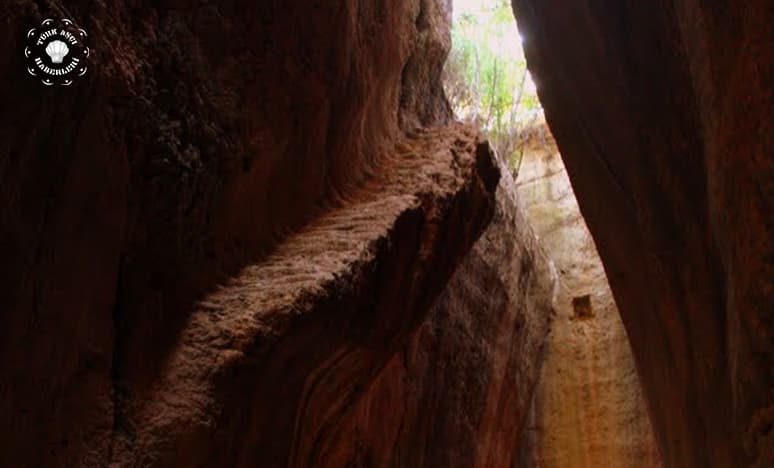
point(214, 245)
point(457, 393)
point(662, 111)
point(588, 409)
point(269, 366)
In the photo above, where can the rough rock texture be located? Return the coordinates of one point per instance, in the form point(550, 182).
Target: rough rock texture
point(217, 242)
point(270, 365)
point(458, 392)
point(663, 114)
point(588, 409)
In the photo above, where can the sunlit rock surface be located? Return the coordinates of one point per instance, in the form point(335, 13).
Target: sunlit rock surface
point(662, 111)
point(588, 409)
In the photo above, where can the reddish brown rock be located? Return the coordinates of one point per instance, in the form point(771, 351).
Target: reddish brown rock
point(457, 393)
point(270, 365)
point(213, 244)
point(663, 114)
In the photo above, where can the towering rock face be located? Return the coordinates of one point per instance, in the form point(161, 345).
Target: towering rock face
point(217, 246)
point(663, 115)
point(588, 409)
point(457, 393)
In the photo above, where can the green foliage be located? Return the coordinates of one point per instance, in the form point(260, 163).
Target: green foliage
point(486, 77)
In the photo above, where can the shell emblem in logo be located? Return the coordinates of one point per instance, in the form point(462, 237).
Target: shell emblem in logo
point(56, 52)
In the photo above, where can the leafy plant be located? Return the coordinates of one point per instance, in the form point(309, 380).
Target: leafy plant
point(486, 78)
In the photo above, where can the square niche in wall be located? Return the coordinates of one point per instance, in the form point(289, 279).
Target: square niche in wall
point(581, 306)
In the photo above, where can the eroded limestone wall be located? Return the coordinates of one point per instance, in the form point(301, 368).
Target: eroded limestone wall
point(588, 410)
point(662, 111)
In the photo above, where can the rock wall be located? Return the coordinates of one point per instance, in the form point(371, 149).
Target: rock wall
point(217, 245)
point(588, 409)
point(457, 393)
point(271, 365)
point(663, 114)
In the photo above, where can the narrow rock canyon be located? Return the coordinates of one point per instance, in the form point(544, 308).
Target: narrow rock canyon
point(663, 115)
point(588, 410)
point(254, 235)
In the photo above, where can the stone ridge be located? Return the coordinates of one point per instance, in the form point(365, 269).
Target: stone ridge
point(203, 135)
point(325, 287)
point(456, 393)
